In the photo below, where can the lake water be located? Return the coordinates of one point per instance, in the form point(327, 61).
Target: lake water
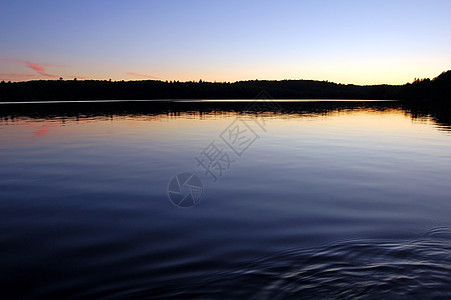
point(297, 200)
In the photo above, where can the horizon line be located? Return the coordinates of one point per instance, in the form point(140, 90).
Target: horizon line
point(200, 81)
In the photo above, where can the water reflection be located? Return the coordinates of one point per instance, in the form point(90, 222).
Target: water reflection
point(200, 110)
point(84, 208)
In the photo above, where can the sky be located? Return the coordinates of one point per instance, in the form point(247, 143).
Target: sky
point(360, 42)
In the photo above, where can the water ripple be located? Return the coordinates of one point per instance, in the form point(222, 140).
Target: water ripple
point(362, 269)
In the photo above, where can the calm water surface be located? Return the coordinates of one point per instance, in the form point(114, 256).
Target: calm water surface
point(330, 200)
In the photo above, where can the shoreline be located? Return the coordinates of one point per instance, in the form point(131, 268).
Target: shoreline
point(195, 101)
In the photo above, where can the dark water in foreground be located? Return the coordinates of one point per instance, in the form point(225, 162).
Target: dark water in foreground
point(311, 200)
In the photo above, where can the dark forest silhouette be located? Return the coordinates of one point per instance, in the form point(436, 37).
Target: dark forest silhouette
point(424, 90)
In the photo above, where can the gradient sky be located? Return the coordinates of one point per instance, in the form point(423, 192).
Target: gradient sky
point(362, 42)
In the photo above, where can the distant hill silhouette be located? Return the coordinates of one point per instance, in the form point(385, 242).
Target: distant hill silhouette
point(438, 89)
point(423, 90)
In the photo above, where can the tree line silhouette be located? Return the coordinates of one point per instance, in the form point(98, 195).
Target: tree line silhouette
point(420, 90)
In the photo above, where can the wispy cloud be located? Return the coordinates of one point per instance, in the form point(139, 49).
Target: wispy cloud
point(39, 68)
point(142, 75)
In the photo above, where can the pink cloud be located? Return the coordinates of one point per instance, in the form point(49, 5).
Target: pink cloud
point(39, 68)
point(142, 75)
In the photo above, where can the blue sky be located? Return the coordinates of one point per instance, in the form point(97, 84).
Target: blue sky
point(363, 42)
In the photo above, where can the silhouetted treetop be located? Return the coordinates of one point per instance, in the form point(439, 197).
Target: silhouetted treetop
point(437, 89)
